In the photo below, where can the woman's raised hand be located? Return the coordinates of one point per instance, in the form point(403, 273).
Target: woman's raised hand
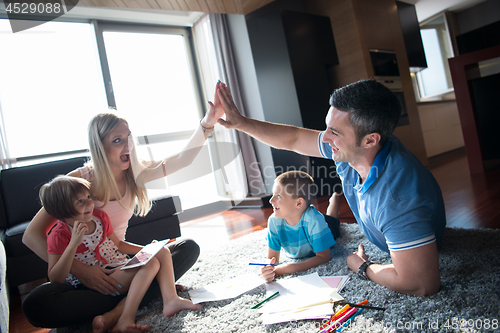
point(216, 110)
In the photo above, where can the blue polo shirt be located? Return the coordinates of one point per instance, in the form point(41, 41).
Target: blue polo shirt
point(400, 205)
point(308, 237)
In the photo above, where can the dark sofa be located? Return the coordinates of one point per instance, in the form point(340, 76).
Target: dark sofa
point(19, 203)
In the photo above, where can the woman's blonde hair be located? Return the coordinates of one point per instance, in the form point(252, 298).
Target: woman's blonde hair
point(99, 128)
point(58, 195)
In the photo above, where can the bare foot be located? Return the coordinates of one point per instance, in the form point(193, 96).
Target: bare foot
point(104, 323)
point(177, 304)
point(333, 208)
point(129, 328)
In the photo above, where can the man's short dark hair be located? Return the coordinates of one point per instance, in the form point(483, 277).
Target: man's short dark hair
point(372, 108)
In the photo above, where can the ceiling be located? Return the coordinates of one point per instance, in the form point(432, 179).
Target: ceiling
point(186, 12)
point(428, 8)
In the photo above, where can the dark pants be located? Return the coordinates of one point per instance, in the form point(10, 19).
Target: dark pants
point(59, 304)
point(334, 225)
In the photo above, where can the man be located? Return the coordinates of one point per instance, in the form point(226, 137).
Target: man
point(394, 198)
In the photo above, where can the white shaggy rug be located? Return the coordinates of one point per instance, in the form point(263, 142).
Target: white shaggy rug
point(467, 302)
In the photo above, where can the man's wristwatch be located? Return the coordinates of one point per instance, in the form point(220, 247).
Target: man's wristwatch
point(362, 269)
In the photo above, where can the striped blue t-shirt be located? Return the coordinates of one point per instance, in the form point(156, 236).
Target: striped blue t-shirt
point(308, 237)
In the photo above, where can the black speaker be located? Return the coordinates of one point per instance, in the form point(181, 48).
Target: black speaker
point(479, 39)
point(484, 93)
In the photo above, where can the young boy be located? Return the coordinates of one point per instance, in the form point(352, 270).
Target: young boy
point(296, 226)
point(86, 235)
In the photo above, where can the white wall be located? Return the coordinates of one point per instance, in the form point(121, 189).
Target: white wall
point(440, 127)
point(250, 91)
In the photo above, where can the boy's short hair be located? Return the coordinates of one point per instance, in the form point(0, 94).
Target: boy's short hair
point(57, 196)
point(298, 184)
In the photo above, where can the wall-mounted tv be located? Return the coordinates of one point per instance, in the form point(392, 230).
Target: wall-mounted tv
point(384, 63)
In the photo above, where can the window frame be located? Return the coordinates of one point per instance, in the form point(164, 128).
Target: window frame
point(105, 26)
point(124, 25)
point(416, 77)
point(46, 157)
point(148, 20)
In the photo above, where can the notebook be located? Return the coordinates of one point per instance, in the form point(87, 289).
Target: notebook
point(144, 256)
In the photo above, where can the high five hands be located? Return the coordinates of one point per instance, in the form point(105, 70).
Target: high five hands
point(215, 112)
point(233, 116)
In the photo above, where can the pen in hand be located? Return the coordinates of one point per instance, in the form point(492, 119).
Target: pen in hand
point(258, 264)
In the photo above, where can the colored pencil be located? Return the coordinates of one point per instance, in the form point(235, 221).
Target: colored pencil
point(267, 299)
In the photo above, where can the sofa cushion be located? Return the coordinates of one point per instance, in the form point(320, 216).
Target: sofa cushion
point(160, 229)
point(25, 269)
point(13, 240)
point(20, 186)
point(161, 208)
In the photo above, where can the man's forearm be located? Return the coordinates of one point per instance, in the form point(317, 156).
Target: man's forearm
point(387, 276)
point(279, 136)
point(414, 271)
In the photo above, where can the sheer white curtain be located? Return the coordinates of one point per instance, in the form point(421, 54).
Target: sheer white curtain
point(5, 160)
point(217, 62)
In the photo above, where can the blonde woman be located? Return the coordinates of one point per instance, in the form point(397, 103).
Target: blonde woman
point(117, 180)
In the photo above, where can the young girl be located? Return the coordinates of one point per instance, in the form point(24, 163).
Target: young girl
point(87, 235)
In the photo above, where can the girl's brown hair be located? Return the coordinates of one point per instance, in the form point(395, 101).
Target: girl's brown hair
point(58, 195)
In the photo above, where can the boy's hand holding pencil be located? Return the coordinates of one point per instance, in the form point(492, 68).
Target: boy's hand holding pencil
point(268, 271)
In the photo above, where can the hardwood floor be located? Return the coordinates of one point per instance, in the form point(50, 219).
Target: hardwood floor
point(471, 202)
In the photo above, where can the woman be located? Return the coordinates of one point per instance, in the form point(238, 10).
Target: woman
point(117, 178)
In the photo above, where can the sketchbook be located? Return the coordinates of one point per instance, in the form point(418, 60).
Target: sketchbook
point(144, 256)
point(302, 297)
point(226, 289)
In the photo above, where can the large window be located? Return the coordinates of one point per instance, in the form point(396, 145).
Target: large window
point(58, 75)
point(50, 87)
point(153, 83)
point(435, 80)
